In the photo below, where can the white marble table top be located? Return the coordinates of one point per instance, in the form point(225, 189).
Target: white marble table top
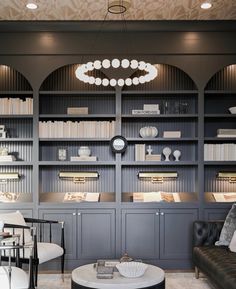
point(86, 276)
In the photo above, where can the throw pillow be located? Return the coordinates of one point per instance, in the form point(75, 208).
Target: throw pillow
point(228, 228)
point(16, 218)
point(232, 245)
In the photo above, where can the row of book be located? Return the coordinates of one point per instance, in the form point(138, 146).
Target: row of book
point(7, 158)
point(75, 129)
point(220, 152)
point(222, 132)
point(13, 106)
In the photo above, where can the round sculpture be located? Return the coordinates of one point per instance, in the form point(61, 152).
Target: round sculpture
point(177, 155)
point(84, 151)
point(148, 132)
point(167, 152)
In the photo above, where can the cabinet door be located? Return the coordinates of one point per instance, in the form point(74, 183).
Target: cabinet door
point(140, 233)
point(69, 217)
point(215, 214)
point(176, 233)
point(96, 234)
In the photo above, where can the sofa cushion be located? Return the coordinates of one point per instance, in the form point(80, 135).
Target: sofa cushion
point(218, 263)
point(232, 245)
point(228, 228)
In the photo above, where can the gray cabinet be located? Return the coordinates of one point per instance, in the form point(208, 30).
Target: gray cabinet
point(96, 233)
point(140, 233)
point(154, 234)
point(215, 214)
point(176, 233)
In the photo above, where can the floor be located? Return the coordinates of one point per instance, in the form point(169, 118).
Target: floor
point(173, 281)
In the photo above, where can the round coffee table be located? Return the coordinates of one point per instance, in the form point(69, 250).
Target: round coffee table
point(85, 277)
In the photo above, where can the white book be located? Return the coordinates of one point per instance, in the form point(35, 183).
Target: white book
point(151, 107)
point(83, 159)
point(172, 134)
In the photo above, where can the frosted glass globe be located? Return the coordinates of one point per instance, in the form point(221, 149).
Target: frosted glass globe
point(142, 79)
point(115, 63)
point(85, 78)
point(125, 63)
point(98, 81)
point(121, 82)
point(97, 64)
point(134, 64)
point(135, 81)
point(128, 81)
point(106, 63)
point(142, 65)
point(90, 66)
point(113, 82)
point(91, 80)
point(105, 82)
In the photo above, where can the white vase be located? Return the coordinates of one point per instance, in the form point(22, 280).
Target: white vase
point(148, 132)
point(177, 155)
point(167, 152)
point(84, 151)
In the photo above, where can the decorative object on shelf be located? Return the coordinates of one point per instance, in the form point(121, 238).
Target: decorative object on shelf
point(77, 110)
point(167, 152)
point(155, 158)
point(140, 154)
point(6, 197)
point(132, 269)
point(4, 177)
point(232, 110)
point(81, 197)
point(221, 132)
point(3, 132)
point(148, 197)
point(3, 151)
point(147, 109)
point(157, 177)
point(118, 144)
point(126, 258)
point(84, 151)
point(183, 107)
point(78, 177)
point(4, 156)
point(228, 176)
point(149, 150)
point(172, 134)
point(62, 154)
point(177, 155)
point(148, 132)
point(226, 197)
point(83, 159)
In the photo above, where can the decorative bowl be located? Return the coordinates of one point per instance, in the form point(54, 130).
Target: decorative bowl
point(131, 269)
point(232, 109)
point(148, 131)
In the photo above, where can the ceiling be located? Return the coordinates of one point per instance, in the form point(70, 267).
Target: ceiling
point(96, 10)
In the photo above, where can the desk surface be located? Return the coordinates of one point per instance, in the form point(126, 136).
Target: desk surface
point(86, 276)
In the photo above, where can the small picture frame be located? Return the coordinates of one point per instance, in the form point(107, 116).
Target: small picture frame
point(62, 154)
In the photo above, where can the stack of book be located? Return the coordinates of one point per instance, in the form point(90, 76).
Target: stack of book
point(220, 152)
point(226, 132)
point(152, 157)
point(75, 129)
point(8, 158)
point(147, 109)
point(83, 159)
point(16, 106)
point(172, 134)
point(104, 271)
point(77, 110)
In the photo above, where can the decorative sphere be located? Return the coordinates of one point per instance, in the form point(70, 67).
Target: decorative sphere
point(128, 81)
point(105, 82)
point(134, 64)
point(121, 82)
point(85, 78)
point(142, 79)
point(142, 65)
point(98, 81)
point(106, 63)
point(125, 63)
point(97, 64)
point(90, 66)
point(91, 80)
point(115, 63)
point(113, 82)
point(135, 81)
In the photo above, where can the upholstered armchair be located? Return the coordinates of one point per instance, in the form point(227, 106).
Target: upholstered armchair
point(41, 236)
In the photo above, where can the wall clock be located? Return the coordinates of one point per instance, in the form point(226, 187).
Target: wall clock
point(118, 144)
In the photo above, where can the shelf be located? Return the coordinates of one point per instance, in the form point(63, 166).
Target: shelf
point(16, 140)
point(16, 116)
point(221, 163)
point(160, 92)
point(74, 139)
point(16, 163)
point(77, 92)
point(16, 92)
point(220, 92)
point(139, 139)
point(82, 116)
point(68, 163)
point(219, 139)
point(161, 163)
point(159, 116)
point(220, 115)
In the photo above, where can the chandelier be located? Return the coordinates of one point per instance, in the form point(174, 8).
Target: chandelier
point(147, 70)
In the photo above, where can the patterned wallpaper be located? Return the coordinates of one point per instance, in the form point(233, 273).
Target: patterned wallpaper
point(96, 10)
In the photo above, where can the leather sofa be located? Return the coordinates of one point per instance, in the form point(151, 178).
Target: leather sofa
point(217, 263)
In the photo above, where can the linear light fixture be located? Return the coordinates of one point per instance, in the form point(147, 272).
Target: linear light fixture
point(4, 177)
point(229, 176)
point(78, 177)
point(157, 177)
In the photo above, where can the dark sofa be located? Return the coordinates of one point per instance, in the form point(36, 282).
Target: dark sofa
point(217, 263)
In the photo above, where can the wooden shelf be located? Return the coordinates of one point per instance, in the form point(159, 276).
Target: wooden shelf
point(16, 163)
point(159, 116)
point(220, 115)
point(220, 92)
point(79, 92)
point(27, 92)
point(161, 163)
point(82, 116)
point(161, 92)
point(16, 139)
point(74, 139)
point(220, 163)
point(139, 139)
point(16, 116)
point(219, 139)
point(68, 163)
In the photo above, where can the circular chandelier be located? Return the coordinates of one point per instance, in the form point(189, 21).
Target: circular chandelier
point(149, 70)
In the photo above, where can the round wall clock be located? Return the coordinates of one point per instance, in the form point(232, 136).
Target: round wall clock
point(118, 144)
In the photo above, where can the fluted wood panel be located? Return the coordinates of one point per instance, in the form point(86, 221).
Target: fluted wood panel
point(50, 182)
point(169, 78)
point(64, 79)
point(57, 104)
point(11, 79)
point(23, 185)
point(213, 184)
point(18, 128)
point(49, 151)
point(186, 181)
point(225, 79)
point(226, 101)
point(21, 150)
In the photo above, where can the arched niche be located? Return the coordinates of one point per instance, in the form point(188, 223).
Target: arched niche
point(12, 80)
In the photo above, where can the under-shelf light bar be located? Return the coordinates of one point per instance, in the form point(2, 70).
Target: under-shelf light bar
point(157, 177)
point(229, 176)
point(78, 177)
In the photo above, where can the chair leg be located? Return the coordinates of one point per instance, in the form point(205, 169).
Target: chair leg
point(36, 275)
point(31, 274)
point(62, 263)
point(197, 272)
